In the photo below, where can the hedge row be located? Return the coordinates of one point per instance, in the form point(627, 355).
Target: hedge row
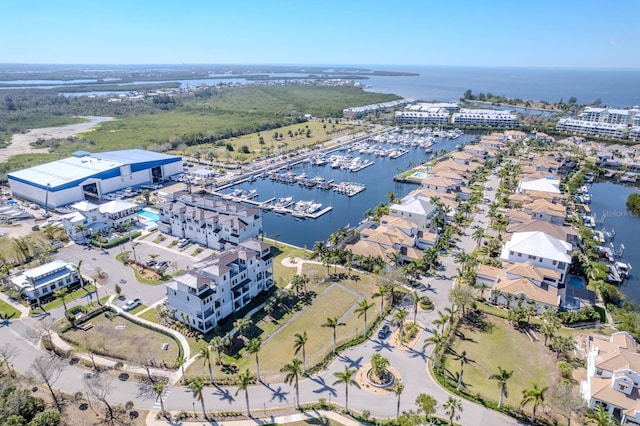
point(119, 241)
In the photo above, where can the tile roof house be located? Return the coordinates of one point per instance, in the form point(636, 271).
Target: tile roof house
point(546, 211)
point(544, 296)
point(613, 376)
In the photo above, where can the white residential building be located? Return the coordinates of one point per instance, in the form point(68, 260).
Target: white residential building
point(592, 128)
point(220, 285)
point(39, 284)
point(484, 117)
point(93, 217)
point(417, 209)
point(437, 117)
point(551, 186)
point(212, 223)
point(539, 249)
point(613, 376)
point(362, 111)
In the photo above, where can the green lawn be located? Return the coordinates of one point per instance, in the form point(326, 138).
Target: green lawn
point(9, 310)
point(508, 348)
point(279, 349)
point(137, 309)
point(81, 292)
point(150, 315)
point(122, 339)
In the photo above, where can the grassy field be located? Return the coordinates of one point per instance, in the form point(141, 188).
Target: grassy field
point(279, 349)
point(320, 132)
point(508, 348)
point(10, 311)
point(121, 339)
point(225, 114)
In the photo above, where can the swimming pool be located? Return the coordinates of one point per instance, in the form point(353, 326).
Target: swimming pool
point(420, 175)
point(575, 281)
point(151, 216)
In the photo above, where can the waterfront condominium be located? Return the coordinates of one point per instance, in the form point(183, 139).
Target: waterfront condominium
point(221, 285)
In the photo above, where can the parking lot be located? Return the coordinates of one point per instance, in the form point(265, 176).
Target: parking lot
point(95, 260)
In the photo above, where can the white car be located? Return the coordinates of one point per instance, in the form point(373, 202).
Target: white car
point(133, 303)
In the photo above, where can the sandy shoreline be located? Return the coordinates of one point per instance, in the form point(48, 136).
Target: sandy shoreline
point(21, 142)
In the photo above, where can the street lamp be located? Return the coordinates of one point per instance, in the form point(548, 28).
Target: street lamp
point(133, 247)
point(46, 201)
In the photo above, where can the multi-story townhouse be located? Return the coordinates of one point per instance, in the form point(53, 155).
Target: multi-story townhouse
point(221, 285)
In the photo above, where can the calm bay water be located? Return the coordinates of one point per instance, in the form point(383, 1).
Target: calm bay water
point(608, 202)
point(347, 211)
point(620, 88)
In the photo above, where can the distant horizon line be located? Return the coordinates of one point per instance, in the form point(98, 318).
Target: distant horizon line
point(385, 67)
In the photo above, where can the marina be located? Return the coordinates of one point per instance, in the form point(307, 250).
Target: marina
point(312, 178)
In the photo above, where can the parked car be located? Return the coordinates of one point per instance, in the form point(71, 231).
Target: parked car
point(384, 332)
point(133, 303)
point(162, 264)
point(183, 242)
point(151, 262)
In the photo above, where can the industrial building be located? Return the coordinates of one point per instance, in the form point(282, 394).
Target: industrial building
point(86, 175)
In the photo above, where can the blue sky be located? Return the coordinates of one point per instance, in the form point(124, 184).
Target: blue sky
point(541, 33)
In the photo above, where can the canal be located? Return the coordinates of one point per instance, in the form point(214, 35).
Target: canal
point(346, 211)
point(609, 203)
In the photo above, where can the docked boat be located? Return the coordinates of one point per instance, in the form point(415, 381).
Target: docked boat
point(624, 269)
point(313, 207)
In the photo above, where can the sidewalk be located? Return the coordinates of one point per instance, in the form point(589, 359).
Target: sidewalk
point(292, 418)
point(24, 311)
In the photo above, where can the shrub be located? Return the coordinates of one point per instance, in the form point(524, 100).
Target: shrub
point(566, 369)
point(587, 314)
point(426, 303)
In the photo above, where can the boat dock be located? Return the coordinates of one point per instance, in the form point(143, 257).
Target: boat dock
point(349, 188)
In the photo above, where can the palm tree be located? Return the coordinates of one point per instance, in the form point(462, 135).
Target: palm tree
point(442, 320)
point(158, 388)
point(60, 294)
point(453, 408)
point(299, 345)
point(415, 300)
point(398, 387)
point(346, 377)
point(379, 365)
point(242, 325)
point(77, 268)
point(535, 395)
point(381, 293)
point(180, 362)
point(197, 385)
point(502, 376)
point(362, 309)
point(438, 340)
point(245, 380)
point(293, 374)
point(478, 235)
point(333, 323)
point(399, 317)
point(253, 347)
point(218, 343)
point(205, 354)
point(599, 416)
point(463, 360)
